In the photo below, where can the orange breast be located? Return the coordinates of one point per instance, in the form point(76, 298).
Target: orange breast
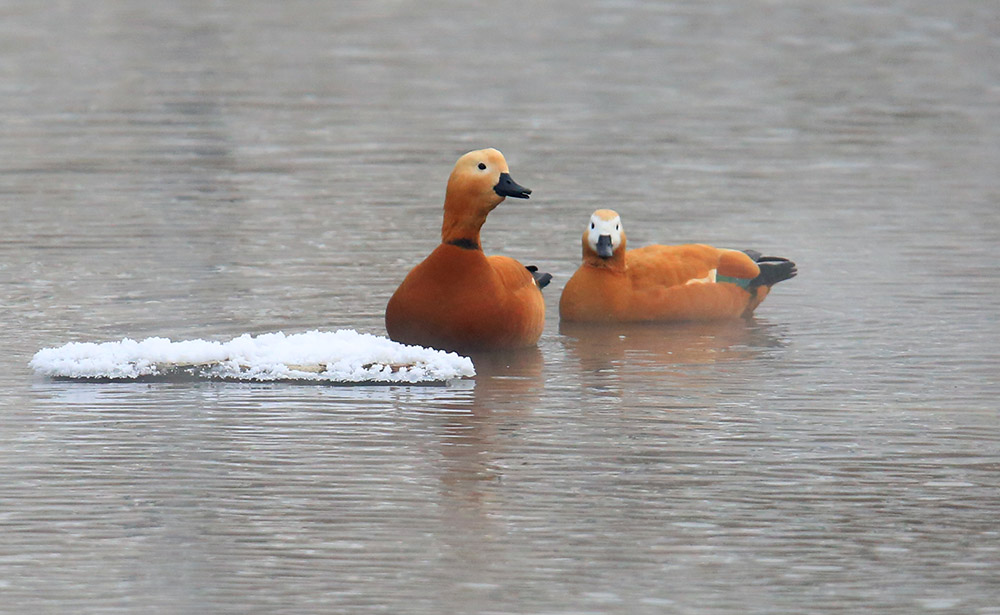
point(458, 299)
point(595, 295)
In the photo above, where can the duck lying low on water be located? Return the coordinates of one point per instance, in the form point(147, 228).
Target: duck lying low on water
point(458, 298)
point(692, 282)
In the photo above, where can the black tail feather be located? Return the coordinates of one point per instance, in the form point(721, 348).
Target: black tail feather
point(773, 269)
point(541, 279)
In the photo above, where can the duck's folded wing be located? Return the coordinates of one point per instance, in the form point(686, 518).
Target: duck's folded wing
point(665, 266)
point(737, 264)
point(513, 276)
point(689, 302)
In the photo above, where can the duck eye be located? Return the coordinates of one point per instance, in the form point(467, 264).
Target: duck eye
point(482, 166)
point(591, 226)
point(616, 227)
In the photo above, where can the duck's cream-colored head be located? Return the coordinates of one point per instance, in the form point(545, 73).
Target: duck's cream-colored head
point(604, 237)
point(479, 182)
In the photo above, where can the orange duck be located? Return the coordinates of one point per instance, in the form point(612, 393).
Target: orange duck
point(691, 282)
point(458, 298)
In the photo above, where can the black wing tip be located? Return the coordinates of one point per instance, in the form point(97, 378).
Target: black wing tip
point(541, 279)
point(773, 269)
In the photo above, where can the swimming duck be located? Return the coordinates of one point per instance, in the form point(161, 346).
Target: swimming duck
point(656, 283)
point(458, 298)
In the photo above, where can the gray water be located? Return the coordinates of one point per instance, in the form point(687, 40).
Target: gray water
point(207, 169)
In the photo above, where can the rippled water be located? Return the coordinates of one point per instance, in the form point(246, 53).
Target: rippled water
point(203, 170)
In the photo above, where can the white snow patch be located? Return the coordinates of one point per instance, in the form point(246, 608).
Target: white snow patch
point(344, 356)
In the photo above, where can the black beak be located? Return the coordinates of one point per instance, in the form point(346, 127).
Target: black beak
point(508, 187)
point(604, 248)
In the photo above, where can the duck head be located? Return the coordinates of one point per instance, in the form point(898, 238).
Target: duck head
point(479, 182)
point(604, 239)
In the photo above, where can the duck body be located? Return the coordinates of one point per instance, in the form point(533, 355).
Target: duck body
point(459, 298)
point(692, 282)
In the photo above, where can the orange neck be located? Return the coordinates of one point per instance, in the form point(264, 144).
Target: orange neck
point(462, 224)
point(616, 262)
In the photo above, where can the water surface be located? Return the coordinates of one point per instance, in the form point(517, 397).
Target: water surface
point(203, 170)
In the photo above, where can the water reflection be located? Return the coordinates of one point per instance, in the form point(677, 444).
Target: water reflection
point(190, 171)
point(513, 376)
point(508, 387)
point(648, 350)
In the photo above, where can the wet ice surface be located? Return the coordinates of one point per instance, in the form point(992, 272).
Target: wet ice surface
point(191, 172)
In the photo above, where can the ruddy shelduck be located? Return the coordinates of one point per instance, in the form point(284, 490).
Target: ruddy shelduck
point(656, 283)
point(458, 298)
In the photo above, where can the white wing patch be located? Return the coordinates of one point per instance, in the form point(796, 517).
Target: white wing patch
point(708, 279)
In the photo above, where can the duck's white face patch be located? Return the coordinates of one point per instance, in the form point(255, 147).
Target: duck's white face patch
point(611, 228)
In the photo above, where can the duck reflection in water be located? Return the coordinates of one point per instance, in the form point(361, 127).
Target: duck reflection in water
point(508, 386)
point(656, 349)
point(473, 448)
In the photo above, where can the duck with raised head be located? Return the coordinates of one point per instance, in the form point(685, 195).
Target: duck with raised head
point(458, 298)
point(657, 283)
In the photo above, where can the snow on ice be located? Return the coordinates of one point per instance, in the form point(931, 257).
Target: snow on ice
point(344, 356)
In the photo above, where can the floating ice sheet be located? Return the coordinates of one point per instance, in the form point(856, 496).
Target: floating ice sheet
point(344, 356)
